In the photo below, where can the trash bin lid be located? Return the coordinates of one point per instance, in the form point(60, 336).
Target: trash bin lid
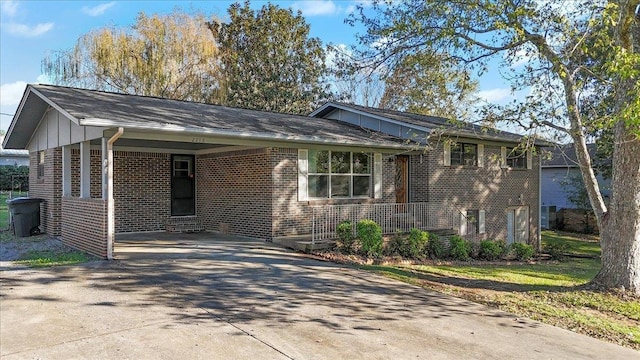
point(23, 200)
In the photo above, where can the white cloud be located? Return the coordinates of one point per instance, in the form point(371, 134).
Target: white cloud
point(314, 8)
point(43, 79)
point(10, 94)
point(496, 95)
point(28, 31)
point(98, 9)
point(9, 8)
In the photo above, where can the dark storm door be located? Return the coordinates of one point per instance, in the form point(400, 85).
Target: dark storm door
point(183, 185)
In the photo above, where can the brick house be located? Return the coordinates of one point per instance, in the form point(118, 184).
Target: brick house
point(109, 163)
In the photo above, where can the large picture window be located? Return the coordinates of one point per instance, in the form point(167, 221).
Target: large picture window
point(339, 174)
point(464, 154)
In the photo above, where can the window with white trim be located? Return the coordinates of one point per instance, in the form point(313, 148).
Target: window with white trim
point(464, 154)
point(339, 174)
point(516, 158)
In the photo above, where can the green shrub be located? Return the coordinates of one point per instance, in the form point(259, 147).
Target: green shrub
point(395, 245)
point(435, 248)
point(459, 248)
point(344, 230)
point(490, 250)
point(556, 248)
point(523, 251)
point(505, 248)
point(370, 236)
point(415, 244)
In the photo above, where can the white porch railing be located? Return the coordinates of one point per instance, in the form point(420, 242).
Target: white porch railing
point(391, 217)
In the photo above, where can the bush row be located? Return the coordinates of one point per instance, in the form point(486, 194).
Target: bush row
point(418, 244)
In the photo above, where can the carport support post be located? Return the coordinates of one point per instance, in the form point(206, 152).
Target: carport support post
point(107, 190)
point(85, 169)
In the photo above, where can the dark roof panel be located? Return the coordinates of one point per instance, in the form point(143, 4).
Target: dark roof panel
point(157, 112)
point(433, 123)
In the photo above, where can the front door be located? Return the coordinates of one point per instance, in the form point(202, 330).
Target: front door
point(183, 200)
point(402, 179)
point(517, 224)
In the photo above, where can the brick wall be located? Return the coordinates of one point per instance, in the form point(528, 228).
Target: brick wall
point(234, 189)
point(84, 225)
point(49, 188)
point(95, 169)
point(293, 217)
point(142, 190)
point(142, 187)
point(488, 188)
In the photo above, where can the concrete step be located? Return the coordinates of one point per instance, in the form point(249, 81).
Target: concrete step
point(188, 224)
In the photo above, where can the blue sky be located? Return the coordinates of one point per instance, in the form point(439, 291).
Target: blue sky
point(30, 29)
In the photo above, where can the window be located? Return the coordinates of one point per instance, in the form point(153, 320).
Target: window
point(472, 221)
point(182, 166)
point(464, 154)
point(516, 158)
point(41, 164)
point(339, 174)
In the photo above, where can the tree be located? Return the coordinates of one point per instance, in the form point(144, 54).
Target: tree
point(429, 85)
point(172, 56)
point(569, 49)
point(270, 61)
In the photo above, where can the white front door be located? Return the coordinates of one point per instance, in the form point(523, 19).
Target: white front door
point(517, 224)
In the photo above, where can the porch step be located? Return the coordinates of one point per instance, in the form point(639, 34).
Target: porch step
point(303, 243)
point(186, 224)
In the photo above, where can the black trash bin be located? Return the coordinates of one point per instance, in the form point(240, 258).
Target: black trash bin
point(25, 216)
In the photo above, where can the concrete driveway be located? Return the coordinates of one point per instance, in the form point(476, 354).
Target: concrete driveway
point(229, 298)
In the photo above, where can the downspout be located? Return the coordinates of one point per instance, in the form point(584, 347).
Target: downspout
point(540, 203)
point(111, 220)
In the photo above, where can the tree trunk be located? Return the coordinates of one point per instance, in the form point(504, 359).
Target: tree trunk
point(620, 235)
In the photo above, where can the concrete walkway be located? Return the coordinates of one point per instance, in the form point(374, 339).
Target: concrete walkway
point(228, 298)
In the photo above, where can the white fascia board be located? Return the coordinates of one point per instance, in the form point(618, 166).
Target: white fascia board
point(15, 115)
point(204, 132)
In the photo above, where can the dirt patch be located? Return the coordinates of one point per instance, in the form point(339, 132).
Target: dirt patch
point(12, 248)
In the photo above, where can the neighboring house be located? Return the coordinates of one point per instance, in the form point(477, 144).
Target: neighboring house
point(557, 171)
point(168, 163)
point(11, 157)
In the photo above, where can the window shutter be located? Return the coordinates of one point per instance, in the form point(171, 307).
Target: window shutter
point(377, 176)
point(303, 168)
point(480, 155)
point(463, 222)
point(503, 157)
point(529, 160)
point(447, 153)
point(481, 221)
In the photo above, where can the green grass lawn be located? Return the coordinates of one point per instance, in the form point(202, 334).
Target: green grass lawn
point(553, 292)
point(53, 258)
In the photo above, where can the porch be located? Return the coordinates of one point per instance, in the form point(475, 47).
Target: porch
point(438, 218)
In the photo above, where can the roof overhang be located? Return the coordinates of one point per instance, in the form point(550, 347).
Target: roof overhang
point(203, 135)
point(32, 108)
point(328, 107)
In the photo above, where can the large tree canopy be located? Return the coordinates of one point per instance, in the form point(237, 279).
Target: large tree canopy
point(571, 51)
point(173, 56)
point(430, 85)
point(270, 62)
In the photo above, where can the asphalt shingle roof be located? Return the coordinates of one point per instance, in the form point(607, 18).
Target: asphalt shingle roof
point(152, 112)
point(435, 122)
